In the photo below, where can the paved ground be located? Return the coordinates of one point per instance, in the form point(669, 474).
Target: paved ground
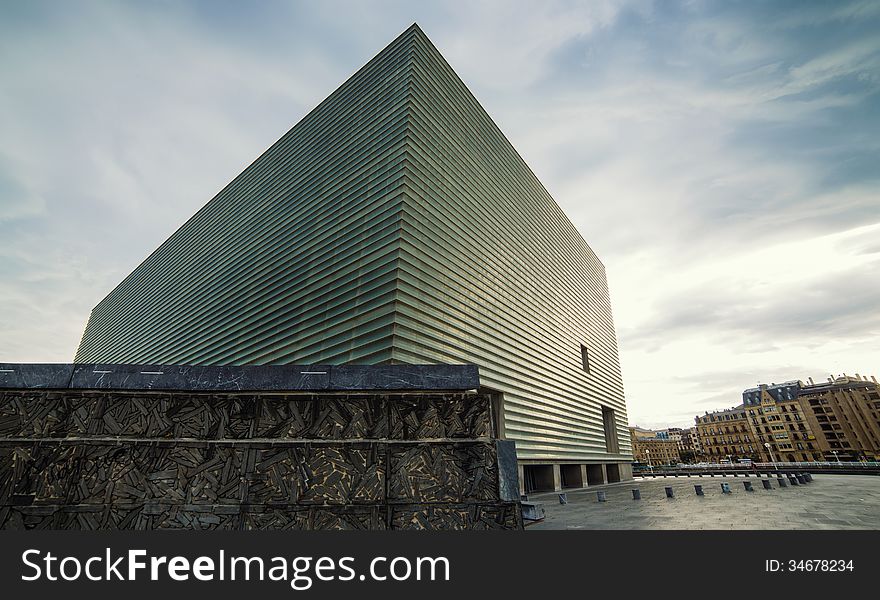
point(829, 502)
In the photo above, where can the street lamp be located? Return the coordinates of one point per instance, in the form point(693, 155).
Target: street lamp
point(648, 453)
point(770, 452)
point(834, 452)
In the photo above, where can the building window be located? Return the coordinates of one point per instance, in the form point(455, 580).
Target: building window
point(610, 424)
point(585, 358)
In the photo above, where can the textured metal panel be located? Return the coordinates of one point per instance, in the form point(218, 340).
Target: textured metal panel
point(134, 459)
point(395, 223)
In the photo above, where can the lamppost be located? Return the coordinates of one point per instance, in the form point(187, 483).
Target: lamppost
point(648, 453)
point(770, 452)
point(834, 452)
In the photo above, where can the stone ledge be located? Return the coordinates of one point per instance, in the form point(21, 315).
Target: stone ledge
point(258, 378)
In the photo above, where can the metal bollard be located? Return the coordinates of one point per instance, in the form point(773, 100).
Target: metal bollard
point(725, 488)
point(748, 486)
point(698, 489)
point(600, 496)
point(637, 494)
point(767, 485)
point(563, 498)
point(800, 478)
point(782, 482)
point(669, 493)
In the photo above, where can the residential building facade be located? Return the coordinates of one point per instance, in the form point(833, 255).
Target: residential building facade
point(726, 435)
point(844, 414)
point(656, 450)
point(794, 421)
point(778, 423)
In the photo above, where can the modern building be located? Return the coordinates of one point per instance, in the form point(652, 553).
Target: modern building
point(394, 223)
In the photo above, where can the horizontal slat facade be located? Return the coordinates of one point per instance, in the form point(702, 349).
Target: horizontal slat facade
point(492, 272)
point(306, 236)
point(394, 224)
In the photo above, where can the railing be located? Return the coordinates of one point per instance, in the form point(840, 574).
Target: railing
point(771, 465)
point(848, 466)
point(823, 464)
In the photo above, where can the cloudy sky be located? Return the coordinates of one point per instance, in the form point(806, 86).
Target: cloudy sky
point(722, 159)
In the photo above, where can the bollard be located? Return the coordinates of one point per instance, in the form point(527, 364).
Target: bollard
point(792, 480)
point(748, 486)
point(782, 482)
point(600, 496)
point(669, 493)
point(698, 489)
point(800, 478)
point(637, 494)
point(808, 477)
point(766, 483)
point(725, 488)
point(563, 498)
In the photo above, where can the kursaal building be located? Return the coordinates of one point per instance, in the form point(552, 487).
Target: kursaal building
point(394, 224)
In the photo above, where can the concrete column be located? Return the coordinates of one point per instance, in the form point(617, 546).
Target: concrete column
point(522, 479)
point(604, 473)
point(584, 475)
point(557, 479)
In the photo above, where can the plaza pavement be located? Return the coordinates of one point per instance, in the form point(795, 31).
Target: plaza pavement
point(829, 502)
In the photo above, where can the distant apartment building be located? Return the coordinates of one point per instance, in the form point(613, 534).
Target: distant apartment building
point(688, 446)
point(726, 435)
point(642, 434)
point(654, 447)
point(778, 423)
point(845, 416)
point(797, 422)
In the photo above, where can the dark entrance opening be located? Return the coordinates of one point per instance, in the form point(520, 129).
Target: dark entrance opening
point(594, 475)
point(571, 476)
point(613, 473)
point(538, 478)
